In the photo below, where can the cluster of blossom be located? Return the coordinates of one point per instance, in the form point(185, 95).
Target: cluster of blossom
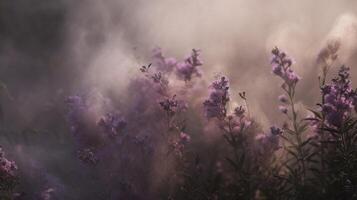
point(233, 125)
point(172, 105)
point(161, 82)
point(8, 170)
point(339, 98)
point(162, 63)
point(169, 104)
point(282, 67)
point(179, 144)
point(239, 121)
point(159, 78)
point(215, 105)
point(187, 68)
point(112, 124)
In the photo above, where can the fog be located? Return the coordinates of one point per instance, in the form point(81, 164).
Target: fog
point(52, 49)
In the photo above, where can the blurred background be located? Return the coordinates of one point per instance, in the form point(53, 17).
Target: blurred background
point(53, 47)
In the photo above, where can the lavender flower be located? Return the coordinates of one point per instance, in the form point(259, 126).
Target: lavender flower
point(281, 66)
point(187, 68)
point(8, 171)
point(159, 78)
point(172, 105)
point(112, 124)
point(184, 138)
point(169, 105)
point(339, 98)
point(215, 106)
point(162, 63)
point(161, 83)
point(7, 168)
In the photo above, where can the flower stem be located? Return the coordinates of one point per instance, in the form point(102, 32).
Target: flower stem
point(291, 94)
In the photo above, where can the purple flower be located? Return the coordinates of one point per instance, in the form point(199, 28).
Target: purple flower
point(215, 105)
point(7, 168)
point(184, 138)
point(281, 66)
point(339, 98)
point(159, 79)
point(162, 63)
point(8, 171)
point(170, 105)
point(277, 70)
point(290, 77)
point(187, 68)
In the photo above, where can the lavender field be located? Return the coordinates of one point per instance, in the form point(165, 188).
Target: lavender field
point(178, 100)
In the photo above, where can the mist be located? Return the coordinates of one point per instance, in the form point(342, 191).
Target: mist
point(53, 49)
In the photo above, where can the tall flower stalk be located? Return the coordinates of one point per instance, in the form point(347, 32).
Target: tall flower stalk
point(325, 60)
point(338, 137)
point(236, 128)
point(297, 148)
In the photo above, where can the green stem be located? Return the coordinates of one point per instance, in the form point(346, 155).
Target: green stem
point(323, 146)
point(291, 94)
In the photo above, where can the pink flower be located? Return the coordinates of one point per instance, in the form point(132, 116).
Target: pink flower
point(184, 138)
